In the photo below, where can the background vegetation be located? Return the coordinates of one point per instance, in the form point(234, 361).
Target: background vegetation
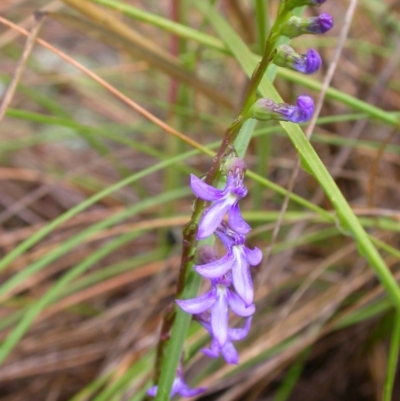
point(103, 119)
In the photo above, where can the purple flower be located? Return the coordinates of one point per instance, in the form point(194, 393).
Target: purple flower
point(226, 201)
point(305, 63)
point(304, 110)
point(178, 387)
point(228, 351)
point(266, 109)
point(217, 301)
point(320, 24)
point(238, 260)
point(308, 63)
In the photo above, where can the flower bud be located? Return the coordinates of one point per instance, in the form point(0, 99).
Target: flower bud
point(290, 4)
point(306, 63)
point(297, 26)
point(304, 109)
point(266, 109)
point(206, 254)
point(235, 166)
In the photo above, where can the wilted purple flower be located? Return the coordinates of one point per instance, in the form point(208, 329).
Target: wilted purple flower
point(217, 301)
point(226, 200)
point(238, 260)
point(228, 351)
point(296, 26)
point(306, 63)
point(266, 109)
point(178, 387)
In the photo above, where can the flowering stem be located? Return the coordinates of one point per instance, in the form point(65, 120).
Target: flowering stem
point(189, 243)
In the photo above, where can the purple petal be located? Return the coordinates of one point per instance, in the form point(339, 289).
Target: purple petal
point(241, 277)
point(326, 21)
point(205, 191)
point(212, 218)
point(237, 305)
point(175, 387)
point(204, 320)
point(199, 304)
point(213, 351)
point(236, 220)
point(225, 238)
point(303, 111)
point(178, 387)
point(237, 334)
point(210, 353)
point(253, 256)
point(229, 353)
point(185, 391)
point(320, 24)
point(191, 392)
point(219, 318)
point(308, 63)
point(152, 391)
point(217, 268)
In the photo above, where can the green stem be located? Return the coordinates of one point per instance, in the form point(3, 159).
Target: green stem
point(393, 357)
point(262, 18)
